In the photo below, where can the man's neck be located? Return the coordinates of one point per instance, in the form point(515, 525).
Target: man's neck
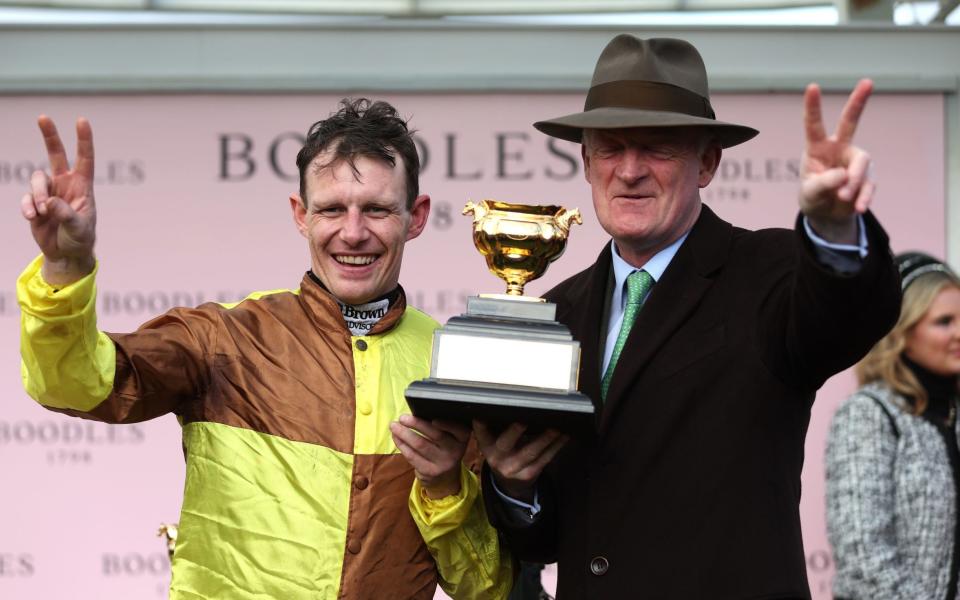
point(639, 255)
point(655, 266)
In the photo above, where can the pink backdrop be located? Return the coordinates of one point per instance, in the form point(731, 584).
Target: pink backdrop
point(192, 195)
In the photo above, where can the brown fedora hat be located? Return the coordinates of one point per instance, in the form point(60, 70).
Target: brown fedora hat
point(660, 82)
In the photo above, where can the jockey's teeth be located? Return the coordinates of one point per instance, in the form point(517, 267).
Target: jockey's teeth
point(356, 260)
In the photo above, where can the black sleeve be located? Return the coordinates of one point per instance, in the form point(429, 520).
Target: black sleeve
point(819, 322)
point(529, 539)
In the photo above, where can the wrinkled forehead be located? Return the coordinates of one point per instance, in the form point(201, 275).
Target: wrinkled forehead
point(371, 173)
point(363, 178)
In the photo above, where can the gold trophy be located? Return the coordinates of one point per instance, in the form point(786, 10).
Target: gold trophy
point(506, 359)
point(519, 240)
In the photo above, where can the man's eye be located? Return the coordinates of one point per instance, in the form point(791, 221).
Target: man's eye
point(663, 151)
point(377, 211)
point(329, 211)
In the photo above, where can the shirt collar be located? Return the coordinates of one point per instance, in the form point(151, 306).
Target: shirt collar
point(320, 303)
point(657, 264)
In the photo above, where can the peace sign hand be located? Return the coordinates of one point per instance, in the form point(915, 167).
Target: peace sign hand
point(834, 173)
point(60, 207)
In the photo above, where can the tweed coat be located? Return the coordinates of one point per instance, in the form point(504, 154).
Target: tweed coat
point(691, 487)
point(891, 500)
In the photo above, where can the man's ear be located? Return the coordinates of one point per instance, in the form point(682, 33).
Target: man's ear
point(418, 216)
point(299, 213)
point(586, 162)
point(709, 162)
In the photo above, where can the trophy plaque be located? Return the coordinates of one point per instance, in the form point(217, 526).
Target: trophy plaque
point(506, 359)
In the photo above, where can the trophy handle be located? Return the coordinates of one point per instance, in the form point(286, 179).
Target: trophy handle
point(566, 217)
point(477, 210)
point(169, 533)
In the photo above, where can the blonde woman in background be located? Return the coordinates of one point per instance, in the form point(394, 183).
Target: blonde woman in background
point(893, 466)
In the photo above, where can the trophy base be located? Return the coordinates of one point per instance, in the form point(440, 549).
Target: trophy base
point(511, 297)
point(506, 343)
point(505, 361)
point(498, 406)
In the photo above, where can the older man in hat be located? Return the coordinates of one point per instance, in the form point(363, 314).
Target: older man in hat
point(703, 346)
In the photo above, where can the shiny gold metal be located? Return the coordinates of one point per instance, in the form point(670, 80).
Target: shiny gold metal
point(169, 532)
point(519, 240)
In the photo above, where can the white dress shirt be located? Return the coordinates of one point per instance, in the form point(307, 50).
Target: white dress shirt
point(618, 300)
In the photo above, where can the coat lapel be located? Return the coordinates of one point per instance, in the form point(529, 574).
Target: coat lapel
point(669, 304)
point(583, 310)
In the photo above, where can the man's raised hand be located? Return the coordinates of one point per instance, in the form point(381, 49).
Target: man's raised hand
point(60, 206)
point(834, 173)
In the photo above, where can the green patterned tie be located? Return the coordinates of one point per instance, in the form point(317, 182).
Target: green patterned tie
point(638, 284)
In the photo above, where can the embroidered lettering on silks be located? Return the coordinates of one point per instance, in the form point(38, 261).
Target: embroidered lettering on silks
point(360, 318)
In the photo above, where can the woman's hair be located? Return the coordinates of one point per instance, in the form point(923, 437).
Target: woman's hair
point(884, 362)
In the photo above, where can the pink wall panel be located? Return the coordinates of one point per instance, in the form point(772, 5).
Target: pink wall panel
point(192, 196)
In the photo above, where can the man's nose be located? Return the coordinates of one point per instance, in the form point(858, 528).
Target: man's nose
point(354, 230)
point(633, 166)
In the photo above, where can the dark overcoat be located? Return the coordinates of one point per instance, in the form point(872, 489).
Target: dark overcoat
point(691, 487)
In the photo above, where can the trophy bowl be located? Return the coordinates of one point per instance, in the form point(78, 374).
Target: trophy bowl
point(519, 241)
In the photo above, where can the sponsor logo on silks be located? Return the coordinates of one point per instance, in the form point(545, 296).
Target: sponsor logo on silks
point(360, 318)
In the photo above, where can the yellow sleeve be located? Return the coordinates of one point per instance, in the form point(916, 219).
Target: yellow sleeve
point(470, 558)
point(67, 362)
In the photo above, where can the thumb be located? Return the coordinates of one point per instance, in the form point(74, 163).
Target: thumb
point(61, 211)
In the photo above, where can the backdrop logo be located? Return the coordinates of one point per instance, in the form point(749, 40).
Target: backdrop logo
point(154, 302)
point(134, 564)
point(8, 304)
point(13, 564)
point(737, 179)
point(442, 215)
point(510, 151)
point(69, 432)
point(439, 302)
point(758, 170)
point(241, 157)
point(109, 172)
point(69, 442)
